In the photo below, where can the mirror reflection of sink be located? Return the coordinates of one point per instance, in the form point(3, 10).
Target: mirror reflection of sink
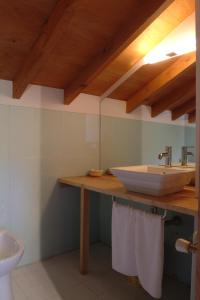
point(189, 166)
point(154, 180)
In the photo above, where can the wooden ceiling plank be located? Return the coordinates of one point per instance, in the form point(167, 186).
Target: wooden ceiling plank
point(187, 107)
point(172, 17)
point(179, 66)
point(131, 30)
point(192, 117)
point(49, 37)
point(175, 97)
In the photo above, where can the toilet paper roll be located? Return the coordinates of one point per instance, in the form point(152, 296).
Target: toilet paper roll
point(182, 246)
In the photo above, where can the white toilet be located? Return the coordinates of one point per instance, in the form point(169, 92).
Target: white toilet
point(11, 252)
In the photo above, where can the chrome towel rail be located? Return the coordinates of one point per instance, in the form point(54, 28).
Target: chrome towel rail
point(154, 209)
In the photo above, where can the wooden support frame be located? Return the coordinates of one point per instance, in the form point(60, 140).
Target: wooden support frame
point(179, 66)
point(182, 202)
point(84, 231)
point(185, 108)
point(192, 117)
point(130, 31)
point(178, 96)
point(49, 37)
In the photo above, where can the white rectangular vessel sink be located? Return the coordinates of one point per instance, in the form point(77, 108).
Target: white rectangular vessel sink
point(153, 180)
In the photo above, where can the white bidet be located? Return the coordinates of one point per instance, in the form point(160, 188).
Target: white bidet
point(11, 252)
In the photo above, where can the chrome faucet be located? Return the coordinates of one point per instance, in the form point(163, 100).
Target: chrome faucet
point(167, 155)
point(184, 156)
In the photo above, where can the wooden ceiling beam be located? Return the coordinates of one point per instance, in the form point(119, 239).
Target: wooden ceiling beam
point(180, 65)
point(124, 36)
point(192, 117)
point(51, 34)
point(177, 96)
point(183, 109)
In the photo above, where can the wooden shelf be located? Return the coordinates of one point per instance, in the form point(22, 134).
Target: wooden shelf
point(183, 202)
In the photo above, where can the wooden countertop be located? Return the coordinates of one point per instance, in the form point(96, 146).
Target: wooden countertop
point(184, 202)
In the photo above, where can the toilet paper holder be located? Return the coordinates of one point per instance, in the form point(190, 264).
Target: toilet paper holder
point(185, 246)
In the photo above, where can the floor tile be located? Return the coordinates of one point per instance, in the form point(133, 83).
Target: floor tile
point(17, 291)
point(58, 278)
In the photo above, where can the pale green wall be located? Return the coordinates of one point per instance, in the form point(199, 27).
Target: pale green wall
point(155, 136)
point(121, 142)
point(37, 147)
point(190, 137)
point(40, 145)
point(129, 141)
point(190, 133)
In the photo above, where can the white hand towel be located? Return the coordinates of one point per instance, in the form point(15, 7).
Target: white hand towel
point(123, 248)
point(138, 246)
point(149, 251)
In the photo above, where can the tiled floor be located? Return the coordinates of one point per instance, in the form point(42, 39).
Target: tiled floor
point(59, 279)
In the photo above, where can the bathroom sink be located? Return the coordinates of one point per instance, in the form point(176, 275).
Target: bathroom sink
point(154, 180)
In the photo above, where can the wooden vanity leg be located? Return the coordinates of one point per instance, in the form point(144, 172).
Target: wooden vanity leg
point(84, 231)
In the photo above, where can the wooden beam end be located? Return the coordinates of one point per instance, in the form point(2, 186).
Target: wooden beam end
point(16, 93)
point(72, 92)
point(67, 98)
point(192, 117)
point(173, 116)
point(128, 109)
point(153, 112)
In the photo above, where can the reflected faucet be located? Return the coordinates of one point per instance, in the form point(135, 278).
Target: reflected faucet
point(184, 156)
point(167, 155)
